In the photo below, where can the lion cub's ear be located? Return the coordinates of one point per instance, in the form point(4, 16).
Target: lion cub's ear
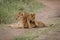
point(20, 14)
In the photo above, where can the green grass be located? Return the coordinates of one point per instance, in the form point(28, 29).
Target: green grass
point(9, 8)
point(23, 38)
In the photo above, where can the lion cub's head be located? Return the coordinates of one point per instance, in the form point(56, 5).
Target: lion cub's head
point(19, 16)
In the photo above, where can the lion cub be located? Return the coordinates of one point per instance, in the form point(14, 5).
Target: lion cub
point(20, 23)
point(32, 23)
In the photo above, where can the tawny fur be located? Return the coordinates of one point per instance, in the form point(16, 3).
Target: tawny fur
point(31, 20)
point(25, 15)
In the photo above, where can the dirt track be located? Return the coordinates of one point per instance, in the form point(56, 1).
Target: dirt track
point(52, 10)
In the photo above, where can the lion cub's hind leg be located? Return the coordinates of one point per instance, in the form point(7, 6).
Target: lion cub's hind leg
point(40, 24)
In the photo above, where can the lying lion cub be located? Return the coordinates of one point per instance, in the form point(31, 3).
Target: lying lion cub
point(20, 23)
point(32, 23)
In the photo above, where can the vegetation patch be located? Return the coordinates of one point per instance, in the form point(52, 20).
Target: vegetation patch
point(9, 9)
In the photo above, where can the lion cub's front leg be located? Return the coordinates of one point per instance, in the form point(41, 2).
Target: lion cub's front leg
point(29, 24)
